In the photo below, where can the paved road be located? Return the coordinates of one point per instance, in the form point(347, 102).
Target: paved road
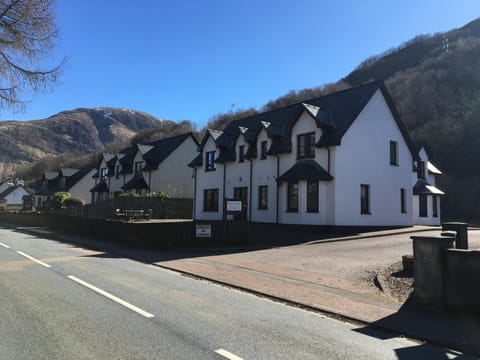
point(58, 301)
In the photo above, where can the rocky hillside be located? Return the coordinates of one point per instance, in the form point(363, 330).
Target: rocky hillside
point(81, 131)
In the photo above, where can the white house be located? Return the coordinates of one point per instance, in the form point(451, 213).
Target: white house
point(13, 193)
point(159, 166)
point(344, 159)
point(77, 182)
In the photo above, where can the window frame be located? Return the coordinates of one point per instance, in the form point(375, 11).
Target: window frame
point(263, 149)
point(423, 205)
point(421, 169)
point(210, 200)
point(306, 142)
point(435, 206)
point(241, 153)
point(365, 203)
point(393, 153)
point(403, 201)
point(312, 197)
point(138, 166)
point(117, 172)
point(210, 161)
point(292, 196)
point(263, 197)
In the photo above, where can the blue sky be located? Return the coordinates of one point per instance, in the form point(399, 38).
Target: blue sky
point(190, 59)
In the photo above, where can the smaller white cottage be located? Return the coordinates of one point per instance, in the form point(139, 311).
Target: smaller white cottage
point(12, 193)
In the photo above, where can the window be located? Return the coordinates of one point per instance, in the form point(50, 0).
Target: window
point(210, 161)
point(138, 166)
point(306, 145)
point(312, 196)
point(210, 200)
point(364, 199)
point(292, 196)
point(117, 173)
point(241, 153)
point(393, 153)
point(263, 150)
point(421, 170)
point(263, 197)
point(422, 205)
point(434, 206)
point(403, 201)
point(103, 173)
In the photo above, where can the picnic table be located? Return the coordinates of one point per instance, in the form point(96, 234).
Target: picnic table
point(129, 214)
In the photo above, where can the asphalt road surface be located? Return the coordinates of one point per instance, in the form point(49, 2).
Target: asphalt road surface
point(58, 301)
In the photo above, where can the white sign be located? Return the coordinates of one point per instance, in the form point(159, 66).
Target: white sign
point(203, 230)
point(234, 205)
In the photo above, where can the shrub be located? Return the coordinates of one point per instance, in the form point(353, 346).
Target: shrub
point(59, 199)
point(73, 202)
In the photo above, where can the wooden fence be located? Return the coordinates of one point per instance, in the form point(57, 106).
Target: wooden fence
point(161, 208)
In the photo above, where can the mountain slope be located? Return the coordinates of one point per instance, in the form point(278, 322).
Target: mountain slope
point(81, 131)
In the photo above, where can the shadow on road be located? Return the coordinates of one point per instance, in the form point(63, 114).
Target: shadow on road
point(439, 327)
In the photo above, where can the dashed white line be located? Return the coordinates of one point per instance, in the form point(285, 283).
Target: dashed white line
point(5, 246)
point(228, 355)
point(33, 259)
point(111, 297)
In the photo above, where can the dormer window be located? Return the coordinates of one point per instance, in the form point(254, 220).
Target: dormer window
point(263, 150)
point(306, 145)
point(210, 161)
point(241, 153)
point(138, 166)
point(103, 173)
point(421, 169)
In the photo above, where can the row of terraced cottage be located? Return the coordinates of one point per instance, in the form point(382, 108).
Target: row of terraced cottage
point(344, 159)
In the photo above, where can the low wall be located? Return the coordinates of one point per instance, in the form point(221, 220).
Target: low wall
point(445, 277)
point(151, 234)
point(462, 279)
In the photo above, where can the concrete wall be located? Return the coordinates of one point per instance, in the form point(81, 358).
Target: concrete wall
point(445, 277)
point(462, 279)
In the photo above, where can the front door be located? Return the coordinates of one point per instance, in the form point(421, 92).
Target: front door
point(241, 193)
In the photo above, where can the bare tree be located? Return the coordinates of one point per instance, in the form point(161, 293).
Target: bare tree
point(27, 38)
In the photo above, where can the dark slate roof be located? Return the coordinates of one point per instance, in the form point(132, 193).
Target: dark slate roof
point(75, 178)
point(100, 187)
point(138, 182)
point(127, 160)
point(334, 113)
point(198, 161)
point(162, 149)
point(423, 187)
point(306, 170)
point(226, 154)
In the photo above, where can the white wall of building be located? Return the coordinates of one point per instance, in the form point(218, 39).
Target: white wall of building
point(81, 189)
point(364, 158)
point(15, 197)
point(209, 180)
point(173, 176)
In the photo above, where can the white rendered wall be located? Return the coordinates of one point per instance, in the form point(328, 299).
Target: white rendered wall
point(305, 124)
point(209, 180)
point(116, 184)
point(173, 175)
point(264, 172)
point(82, 188)
point(15, 197)
point(364, 158)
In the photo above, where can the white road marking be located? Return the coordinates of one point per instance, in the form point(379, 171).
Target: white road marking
point(111, 297)
point(33, 259)
point(227, 354)
point(5, 246)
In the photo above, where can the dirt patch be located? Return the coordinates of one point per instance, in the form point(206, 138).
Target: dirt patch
point(394, 282)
